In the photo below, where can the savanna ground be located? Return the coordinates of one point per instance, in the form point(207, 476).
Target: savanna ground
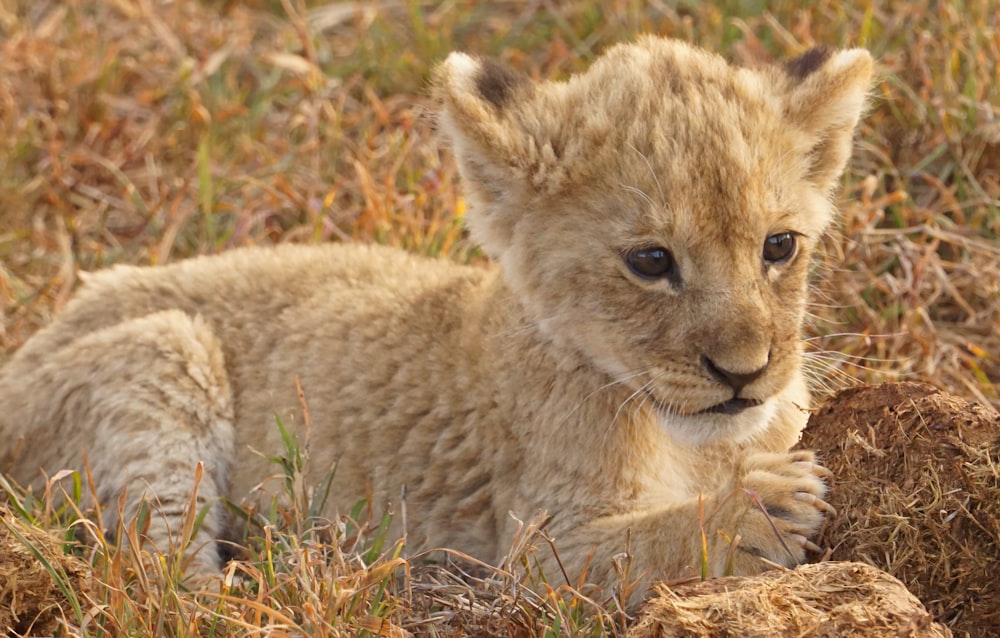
point(145, 131)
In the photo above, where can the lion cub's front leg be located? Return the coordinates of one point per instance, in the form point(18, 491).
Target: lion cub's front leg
point(766, 515)
point(776, 508)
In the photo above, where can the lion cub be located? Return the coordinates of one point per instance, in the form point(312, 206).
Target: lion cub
point(631, 365)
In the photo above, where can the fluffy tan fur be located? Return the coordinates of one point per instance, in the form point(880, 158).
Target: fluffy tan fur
point(559, 380)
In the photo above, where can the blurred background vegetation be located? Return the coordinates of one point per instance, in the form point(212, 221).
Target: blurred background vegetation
point(143, 131)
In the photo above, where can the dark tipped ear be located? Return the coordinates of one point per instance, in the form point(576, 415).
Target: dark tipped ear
point(479, 104)
point(825, 97)
point(476, 97)
point(498, 84)
point(801, 67)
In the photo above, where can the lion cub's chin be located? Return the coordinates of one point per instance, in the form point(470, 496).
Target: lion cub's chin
point(705, 428)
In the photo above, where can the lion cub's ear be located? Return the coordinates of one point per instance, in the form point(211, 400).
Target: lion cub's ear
point(825, 97)
point(482, 104)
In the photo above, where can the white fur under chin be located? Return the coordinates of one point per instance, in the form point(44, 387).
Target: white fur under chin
point(701, 429)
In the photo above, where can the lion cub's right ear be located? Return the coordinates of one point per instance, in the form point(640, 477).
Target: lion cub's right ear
point(825, 97)
point(482, 108)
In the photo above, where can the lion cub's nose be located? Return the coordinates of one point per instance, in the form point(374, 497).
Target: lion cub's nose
point(735, 380)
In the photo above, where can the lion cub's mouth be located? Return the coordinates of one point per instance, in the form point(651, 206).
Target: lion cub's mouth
point(731, 407)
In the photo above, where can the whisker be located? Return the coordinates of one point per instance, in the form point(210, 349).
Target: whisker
point(827, 375)
point(829, 306)
point(638, 191)
point(620, 380)
point(640, 391)
point(836, 357)
point(827, 370)
point(652, 172)
point(529, 326)
point(853, 334)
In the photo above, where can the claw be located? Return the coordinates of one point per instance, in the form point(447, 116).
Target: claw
point(815, 468)
point(812, 547)
point(804, 543)
point(816, 502)
point(803, 456)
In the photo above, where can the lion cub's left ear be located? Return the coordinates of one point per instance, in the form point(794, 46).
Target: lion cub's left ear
point(482, 115)
point(825, 97)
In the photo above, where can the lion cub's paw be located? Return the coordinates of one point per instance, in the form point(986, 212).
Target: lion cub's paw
point(785, 505)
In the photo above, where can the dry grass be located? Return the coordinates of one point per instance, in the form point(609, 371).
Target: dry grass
point(144, 131)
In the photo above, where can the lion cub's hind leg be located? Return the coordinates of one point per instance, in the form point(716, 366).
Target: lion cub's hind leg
point(146, 400)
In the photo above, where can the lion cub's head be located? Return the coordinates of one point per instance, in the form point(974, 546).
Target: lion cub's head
point(656, 214)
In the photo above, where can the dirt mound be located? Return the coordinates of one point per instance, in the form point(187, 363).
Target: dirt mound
point(823, 600)
point(917, 490)
point(31, 602)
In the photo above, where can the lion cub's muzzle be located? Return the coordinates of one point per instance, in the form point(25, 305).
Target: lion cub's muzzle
point(735, 380)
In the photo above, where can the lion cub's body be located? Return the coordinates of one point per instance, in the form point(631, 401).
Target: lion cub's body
point(566, 379)
point(398, 415)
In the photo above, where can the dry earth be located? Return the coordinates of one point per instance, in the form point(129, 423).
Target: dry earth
point(828, 600)
point(917, 491)
point(31, 603)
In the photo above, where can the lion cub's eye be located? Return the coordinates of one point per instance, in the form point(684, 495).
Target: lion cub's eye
point(651, 263)
point(779, 248)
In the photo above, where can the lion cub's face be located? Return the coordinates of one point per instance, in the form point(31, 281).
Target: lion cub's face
point(656, 214)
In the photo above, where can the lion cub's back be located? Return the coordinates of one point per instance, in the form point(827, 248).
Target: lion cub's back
point(246, 287)
point(274, 309)
point(330, 315)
